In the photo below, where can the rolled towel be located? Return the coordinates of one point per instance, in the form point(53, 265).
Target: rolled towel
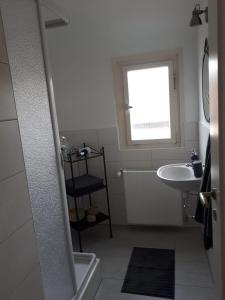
point(73, 214)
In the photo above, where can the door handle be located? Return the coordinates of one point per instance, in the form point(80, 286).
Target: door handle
point(204, 197)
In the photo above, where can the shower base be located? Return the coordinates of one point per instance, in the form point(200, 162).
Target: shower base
point(88, 277)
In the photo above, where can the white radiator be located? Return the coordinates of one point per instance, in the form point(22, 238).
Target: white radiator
point(149, 201)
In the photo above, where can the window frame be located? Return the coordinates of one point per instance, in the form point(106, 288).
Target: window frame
point(120, 68)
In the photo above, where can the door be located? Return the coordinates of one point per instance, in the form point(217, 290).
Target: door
point(217, 126)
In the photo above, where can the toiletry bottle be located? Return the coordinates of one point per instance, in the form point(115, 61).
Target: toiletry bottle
point(194, 155)
point(65, 147)
point(197, 168)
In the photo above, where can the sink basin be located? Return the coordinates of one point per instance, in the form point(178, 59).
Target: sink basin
point(179, 176)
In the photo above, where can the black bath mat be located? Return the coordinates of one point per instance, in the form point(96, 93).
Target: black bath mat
point(151, 272)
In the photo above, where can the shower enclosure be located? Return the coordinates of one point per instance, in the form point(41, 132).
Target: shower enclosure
point(85, 265)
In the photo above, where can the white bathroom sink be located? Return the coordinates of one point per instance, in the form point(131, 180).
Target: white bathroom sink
point(179, 176)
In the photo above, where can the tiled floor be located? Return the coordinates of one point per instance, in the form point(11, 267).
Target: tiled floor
point(193, 277)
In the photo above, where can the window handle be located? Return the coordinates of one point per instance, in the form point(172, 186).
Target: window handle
point(128, 106)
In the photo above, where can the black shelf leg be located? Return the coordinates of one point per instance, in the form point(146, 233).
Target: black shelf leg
point(107, 195)
point(80, 242)
point(109, 214)
point(75, 203)
point(90, 200)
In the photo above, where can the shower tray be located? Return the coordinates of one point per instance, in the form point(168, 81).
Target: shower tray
point(88, 278)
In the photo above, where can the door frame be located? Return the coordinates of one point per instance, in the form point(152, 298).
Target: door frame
point(221, 82)
point(217, 130)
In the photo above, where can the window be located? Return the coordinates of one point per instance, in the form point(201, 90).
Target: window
point(147, 93)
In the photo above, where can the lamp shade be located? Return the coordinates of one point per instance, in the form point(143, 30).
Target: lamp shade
point(196, 20)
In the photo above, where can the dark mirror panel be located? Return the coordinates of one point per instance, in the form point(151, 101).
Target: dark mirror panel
point(205, 81)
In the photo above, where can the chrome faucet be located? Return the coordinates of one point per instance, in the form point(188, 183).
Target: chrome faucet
point(189, 164)
point(194, 157)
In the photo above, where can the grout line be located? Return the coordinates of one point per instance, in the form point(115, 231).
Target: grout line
point(194, 286)
point(15, 231)
point(176, 284)
point(100, 283)
point(35, 266)
point(8, 120)
point(4, 63)
point(11, 176)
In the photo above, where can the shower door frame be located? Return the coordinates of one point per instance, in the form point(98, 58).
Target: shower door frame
point(60, 163)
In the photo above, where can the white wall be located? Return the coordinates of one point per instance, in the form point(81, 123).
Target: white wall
point(102, 29)
point(203, 124)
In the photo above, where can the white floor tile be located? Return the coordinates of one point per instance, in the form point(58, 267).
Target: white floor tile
point(110, 289)
point(193, 273)
point(114, 267)
point(194, 293)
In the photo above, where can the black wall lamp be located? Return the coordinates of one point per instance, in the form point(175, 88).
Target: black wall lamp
point(196, 20)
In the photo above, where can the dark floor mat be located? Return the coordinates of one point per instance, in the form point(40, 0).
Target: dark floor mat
point(151, 272)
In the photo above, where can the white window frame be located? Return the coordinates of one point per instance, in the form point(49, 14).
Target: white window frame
point(121, 66)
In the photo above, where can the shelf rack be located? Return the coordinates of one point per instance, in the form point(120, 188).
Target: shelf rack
point(87, 184)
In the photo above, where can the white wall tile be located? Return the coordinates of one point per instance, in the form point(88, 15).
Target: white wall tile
point(78, 137)
point(3, 50)
point(203, 139)
point(107, 149)
point(108, 136)
point(137, 165)
point(133, 159)
point(114, 167)
point(15, 207)
point(161, 162)
point(120, 155)
point(18, 256)
point(31, 287)
point(11, 156)
point(117, 206)
point(96, 167)
point(99, 201)
point(116, 186)
point(78, 169)
point(191, 202)
point(191, 131)
point(118, 209)
point(7, 104)
point(190, 145)
point(175, 153)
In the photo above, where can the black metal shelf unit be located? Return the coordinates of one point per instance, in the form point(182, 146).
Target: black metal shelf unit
point(87, 184)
